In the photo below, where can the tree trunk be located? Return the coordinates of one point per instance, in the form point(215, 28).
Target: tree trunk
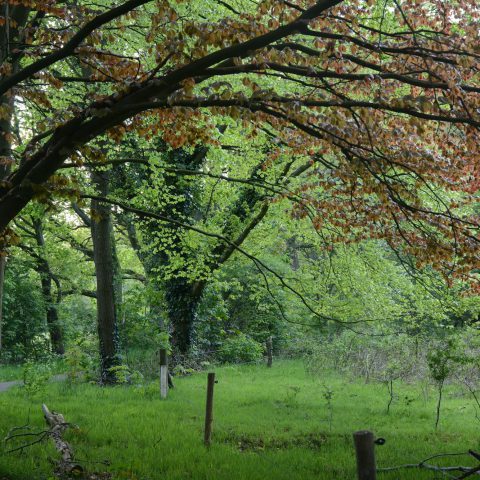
point(15, 17)
point(56, 333)
point(54, 328)
point(292, 249)
point(102, 237)
point(182, 299)
point(5, 158)
point(53, 324)
point(182, 295)
point(3, 261)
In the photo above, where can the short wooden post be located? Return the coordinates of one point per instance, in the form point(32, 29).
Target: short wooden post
point(163, 373)
point(269, 351)
point(365, 451)
point(209, 409)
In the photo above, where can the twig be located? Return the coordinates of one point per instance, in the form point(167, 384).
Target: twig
point(25, 445)
point(466, 471)
point(58, 426)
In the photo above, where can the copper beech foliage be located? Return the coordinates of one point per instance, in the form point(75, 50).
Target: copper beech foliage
point(382, 95)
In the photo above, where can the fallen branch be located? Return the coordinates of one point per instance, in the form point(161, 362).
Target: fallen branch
point(57, 427)
point(465, 471)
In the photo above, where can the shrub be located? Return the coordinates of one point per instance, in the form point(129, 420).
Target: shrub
point(240, 349)
point(80, 365)
point(35, 377)
point(124, 375)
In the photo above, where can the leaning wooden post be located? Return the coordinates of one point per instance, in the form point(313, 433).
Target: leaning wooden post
point(163, 373)
point(209, 409)
point(365, 451)
point(269, 351)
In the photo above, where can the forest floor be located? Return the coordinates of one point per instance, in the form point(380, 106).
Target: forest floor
point(269, 424)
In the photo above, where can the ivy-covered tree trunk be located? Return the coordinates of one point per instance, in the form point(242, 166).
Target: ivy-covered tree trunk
point(103, 250)
point(182, 297)
point(5, 156)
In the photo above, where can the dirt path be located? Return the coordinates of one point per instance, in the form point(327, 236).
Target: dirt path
point(4, 386)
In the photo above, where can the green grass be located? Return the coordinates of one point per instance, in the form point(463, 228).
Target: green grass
point(16, 372)
point(10, 372)
point(269, 424)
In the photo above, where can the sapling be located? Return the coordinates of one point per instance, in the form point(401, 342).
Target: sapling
point(328, 394)
point(441, 361)
point(291, 400)
point(398, 365)
point(393, 371)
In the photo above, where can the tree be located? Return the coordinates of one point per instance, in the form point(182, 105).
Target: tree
point(10, 36)
point(51, 303)
point(32, 226)
point(24, 334)
point(40, 230)
point(192, 197)
point(108, 280)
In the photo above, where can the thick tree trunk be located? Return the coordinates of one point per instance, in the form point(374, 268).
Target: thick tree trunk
point(182, 299)
point(56, 332)
point(182, 296)
point(102, 237)
point(117, 274)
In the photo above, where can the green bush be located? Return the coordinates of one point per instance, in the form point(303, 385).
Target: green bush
point(23, 334)
point(125, 375)
point(36, 377)
point(81, 363)
point(240, 349)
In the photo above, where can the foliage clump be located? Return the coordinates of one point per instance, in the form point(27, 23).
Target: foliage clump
point(240, 349)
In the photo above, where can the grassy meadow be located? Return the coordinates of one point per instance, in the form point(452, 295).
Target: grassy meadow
point(269, 424)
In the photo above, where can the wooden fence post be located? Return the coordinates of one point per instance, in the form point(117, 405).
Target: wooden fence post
point(163, 373)
point(365, 452)
point(269, 351)
point(209, 409)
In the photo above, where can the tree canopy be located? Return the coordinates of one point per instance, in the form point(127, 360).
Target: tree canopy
point(155, 139)
point(382, 99)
